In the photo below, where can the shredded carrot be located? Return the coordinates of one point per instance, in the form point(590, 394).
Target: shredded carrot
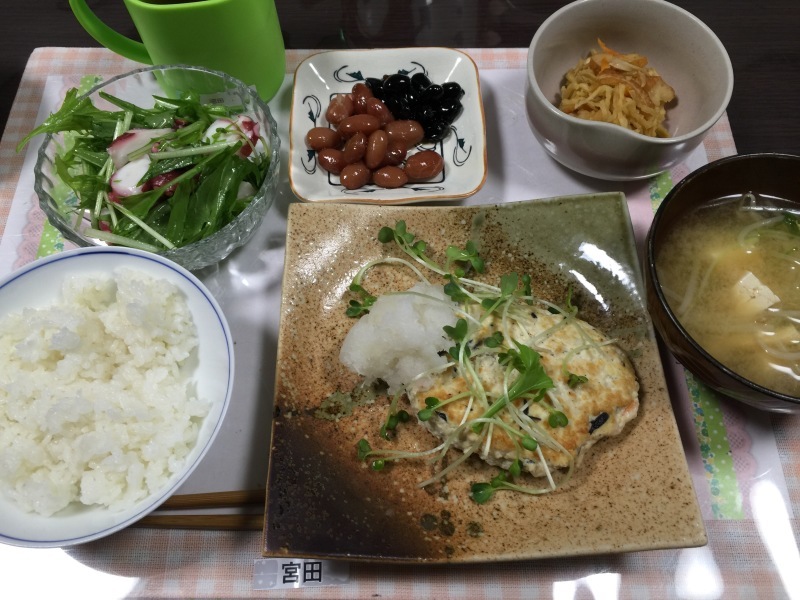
point(606, 49)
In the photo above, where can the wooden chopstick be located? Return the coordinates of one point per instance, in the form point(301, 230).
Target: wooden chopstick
point(209, 500)
point(229, 522)
point(213, 500)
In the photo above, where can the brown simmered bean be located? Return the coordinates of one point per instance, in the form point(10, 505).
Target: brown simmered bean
point(355, 148)
point(424, 165)
point(355, 176)
point(340, 108)
point(377, 144)
point(390, 177)
point(365, 124)
point(332, 160)
point(395, 153)
point(360, 94)
point(377, 108)
point(407, 131)
point(319, 138)
point(367, 144)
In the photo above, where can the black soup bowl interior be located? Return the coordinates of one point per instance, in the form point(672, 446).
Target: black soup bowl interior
point(758, 179)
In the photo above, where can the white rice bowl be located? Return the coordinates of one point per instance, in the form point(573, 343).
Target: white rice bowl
point(158, 443)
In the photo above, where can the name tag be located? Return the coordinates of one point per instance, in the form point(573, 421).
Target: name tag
point(290, 573)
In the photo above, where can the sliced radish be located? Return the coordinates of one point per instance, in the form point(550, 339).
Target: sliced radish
point(131, 141)
point(125, 180)
point(231, 131)
point(245, 189)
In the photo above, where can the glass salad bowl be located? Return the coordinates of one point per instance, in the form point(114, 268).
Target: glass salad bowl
point(218, 210)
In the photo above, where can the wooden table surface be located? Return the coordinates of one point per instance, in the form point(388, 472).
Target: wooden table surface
point(761, 39)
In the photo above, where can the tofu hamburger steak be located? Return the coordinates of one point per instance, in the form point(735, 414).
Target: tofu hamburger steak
point(490, 370)
point(596, 407)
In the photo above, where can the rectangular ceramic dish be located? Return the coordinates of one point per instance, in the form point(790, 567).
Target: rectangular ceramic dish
point(321, 76)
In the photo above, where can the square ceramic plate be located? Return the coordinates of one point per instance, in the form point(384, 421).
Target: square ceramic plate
point(632, 492)
point(321, 76)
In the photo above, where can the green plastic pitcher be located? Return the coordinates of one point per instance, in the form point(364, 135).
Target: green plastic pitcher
point(239, 37)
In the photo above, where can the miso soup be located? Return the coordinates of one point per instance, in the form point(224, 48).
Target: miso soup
point(731, 273)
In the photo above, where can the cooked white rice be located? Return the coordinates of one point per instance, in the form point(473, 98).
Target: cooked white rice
point(95, 404)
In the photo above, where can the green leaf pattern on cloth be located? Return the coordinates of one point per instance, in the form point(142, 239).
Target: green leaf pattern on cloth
point(715, 449)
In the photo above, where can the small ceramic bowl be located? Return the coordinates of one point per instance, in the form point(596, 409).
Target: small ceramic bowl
point(683, 50)
point(210, 373)
point(763, 175)
point(322, 76)
point(138, 87)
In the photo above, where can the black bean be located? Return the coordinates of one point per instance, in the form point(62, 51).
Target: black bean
point(450, 109)
point(434, 106)
point(436, 130)
point(404, 109)
point(419, 81)
point(397, 84)
point(432, 93)
point(452, 90)
point(376, 85)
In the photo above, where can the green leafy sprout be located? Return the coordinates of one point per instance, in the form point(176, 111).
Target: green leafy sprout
point(526, 411)
point(482, 492)
point(356, 308)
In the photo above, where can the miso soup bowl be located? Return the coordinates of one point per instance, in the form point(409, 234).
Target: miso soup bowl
point(685, 52)
point(762, 174)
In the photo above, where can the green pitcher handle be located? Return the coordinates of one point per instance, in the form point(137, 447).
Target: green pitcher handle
point(108, 37)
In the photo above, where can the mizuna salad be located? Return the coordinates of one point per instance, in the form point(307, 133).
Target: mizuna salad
point(155, 178)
